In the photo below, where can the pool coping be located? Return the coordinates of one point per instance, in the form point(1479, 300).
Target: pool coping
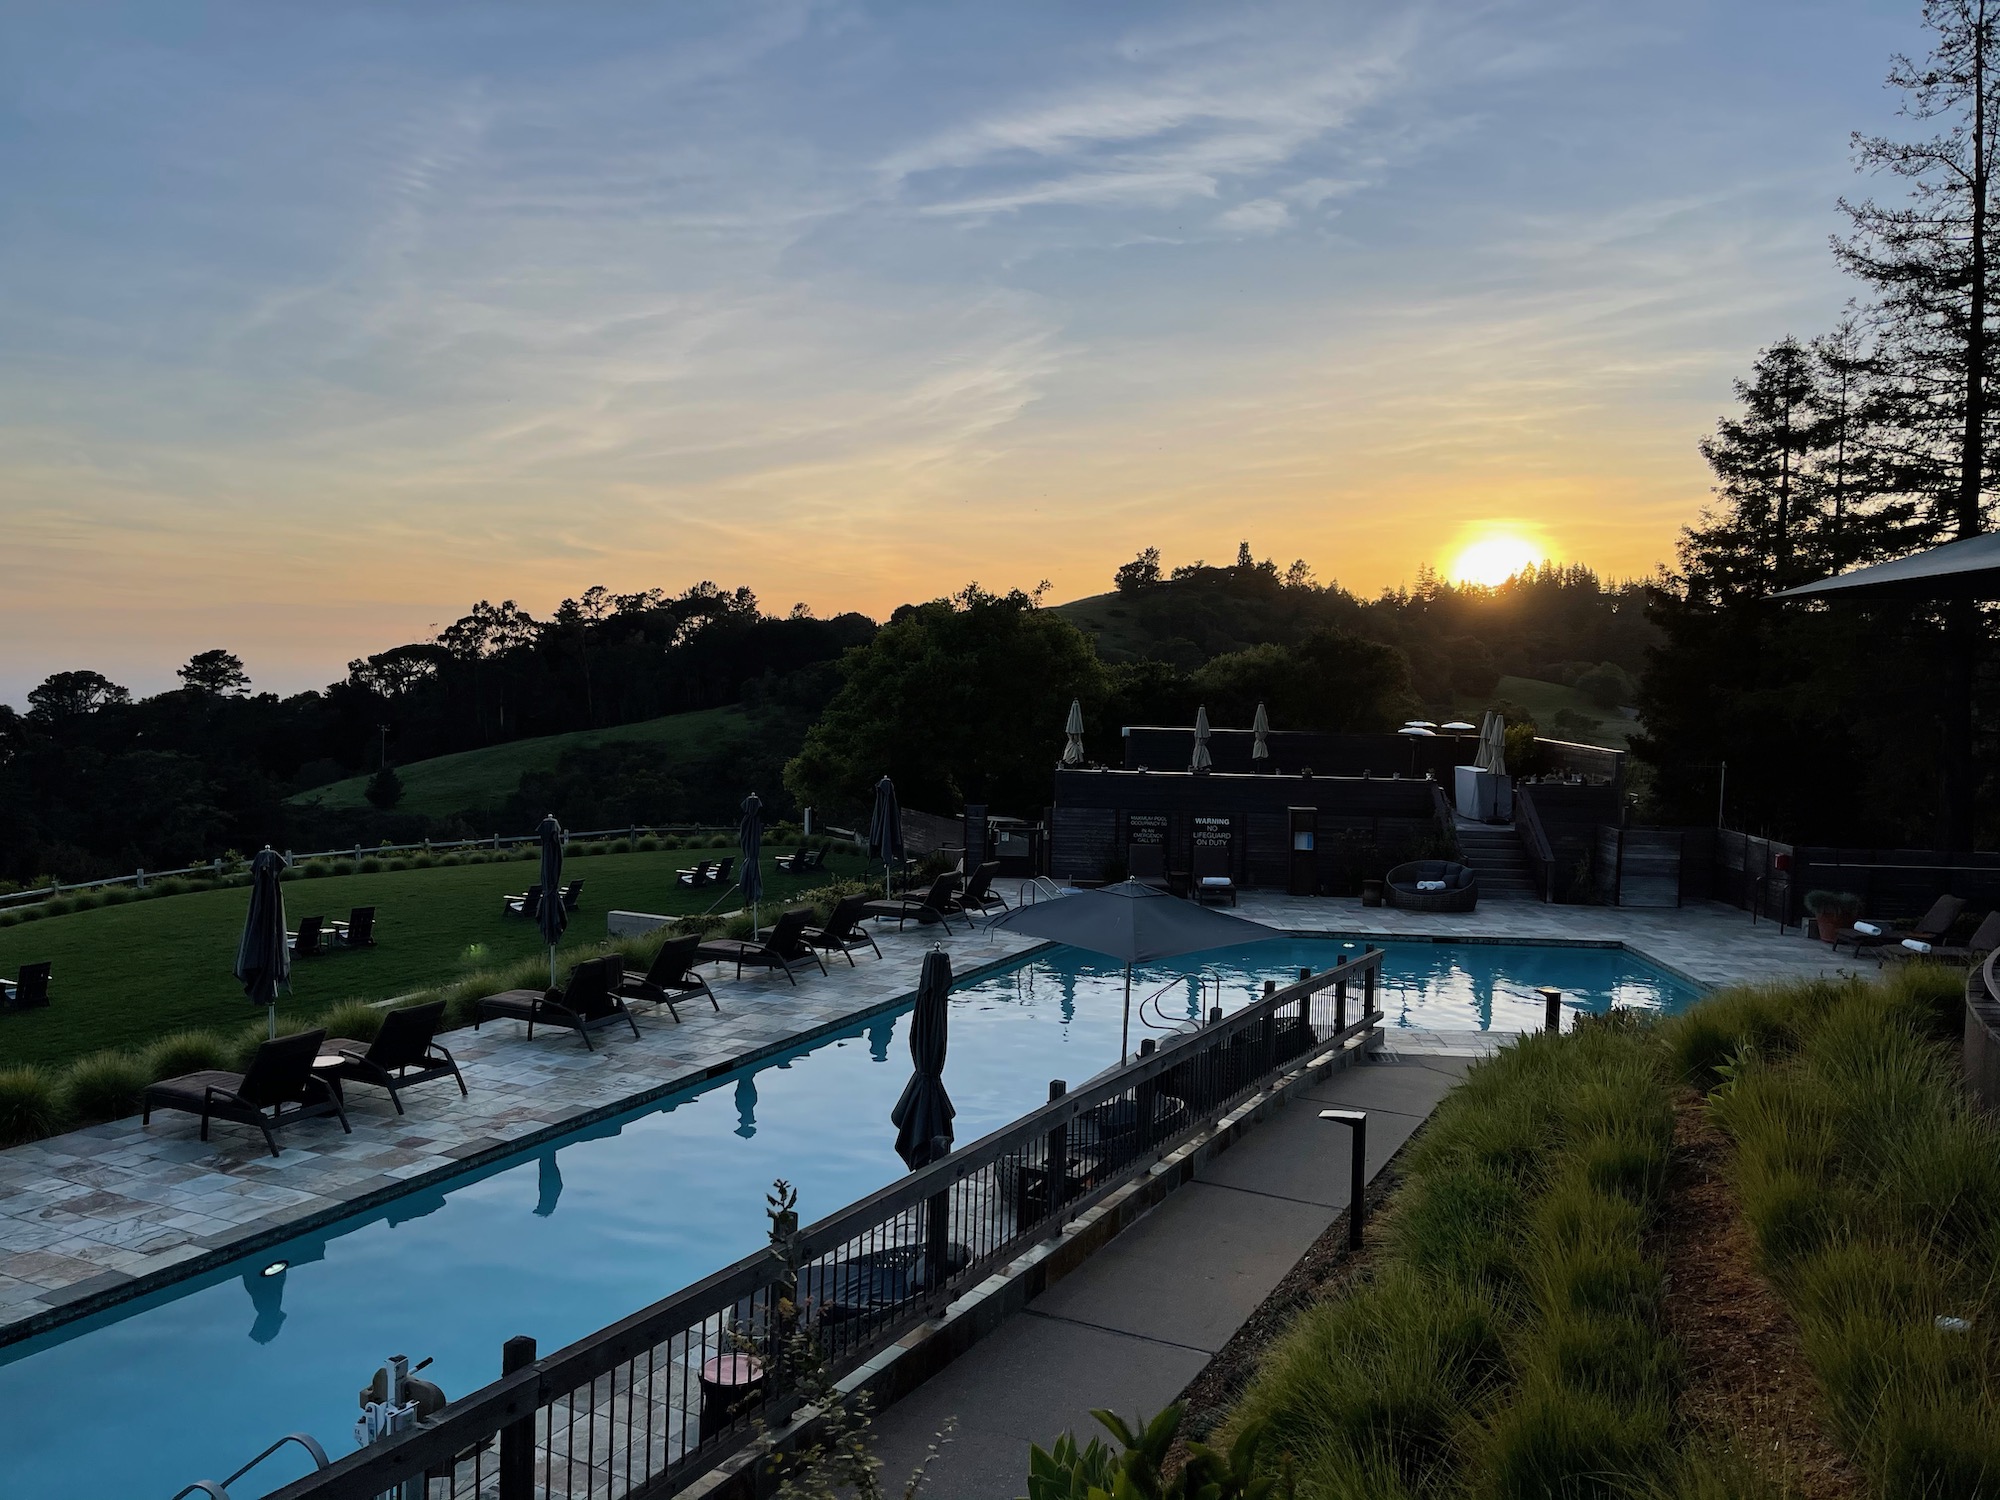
point(112, 1288)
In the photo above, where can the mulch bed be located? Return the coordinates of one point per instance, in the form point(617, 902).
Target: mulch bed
point(1748, 1382)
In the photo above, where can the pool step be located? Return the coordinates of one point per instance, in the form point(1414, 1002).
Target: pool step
point(1496, 857)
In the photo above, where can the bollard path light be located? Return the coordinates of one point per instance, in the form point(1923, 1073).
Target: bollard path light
point(1552, 1015)
point(1357, 1121)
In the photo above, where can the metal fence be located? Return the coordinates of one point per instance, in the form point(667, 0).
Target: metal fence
point(219, 868)
point(647, 1405)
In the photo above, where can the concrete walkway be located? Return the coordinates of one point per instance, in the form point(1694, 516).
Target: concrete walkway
point(1134, 1324)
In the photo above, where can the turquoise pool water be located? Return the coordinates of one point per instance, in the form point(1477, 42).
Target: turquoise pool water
point(190, 1382)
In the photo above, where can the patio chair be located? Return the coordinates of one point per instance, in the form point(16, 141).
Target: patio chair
point(1211, 874)
point(358, 931)
point(572, 894)
point(1147, 864)
point(527, 903)
point(588, 1001)
point(795, 863)
point(978, 894)
point(671, 975)
point(28, 990)
point(697, 876)
point(404, 1052)
point(779, 946)
point(935, 905)
point(1433, 885)
point(1930, 928)
point(1985, 938)
point(723, 872)
point(279, 1088)
point(306, 942)
point(843, 932)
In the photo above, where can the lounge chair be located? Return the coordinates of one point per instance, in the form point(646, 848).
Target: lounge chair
point(1147, 864)
point(527, 903)
point(724, 872)
point(1212, 881)
point(779, 946)
point(1457, 887)
point(935, 905)
point(671, 976)
point(358, 931)
point(588, 1001)
point(843, 932)
point(1985, 938)
point(697, 876)
point(1930, 928)
point(306, 941)
point(404, 1052)
point(795, 863)
point(280, 1075)
point(28, 990)
point(572, 894)
point(978, 894)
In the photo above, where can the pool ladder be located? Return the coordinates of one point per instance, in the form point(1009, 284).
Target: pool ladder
point(1159, 1020)
point(220, 1491)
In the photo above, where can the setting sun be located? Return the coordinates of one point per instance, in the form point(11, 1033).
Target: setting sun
point(1494, 559)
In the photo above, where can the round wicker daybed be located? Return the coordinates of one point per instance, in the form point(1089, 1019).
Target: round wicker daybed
point(1460, 893)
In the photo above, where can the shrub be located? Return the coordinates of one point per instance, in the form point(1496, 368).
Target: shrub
point(187, 1052)
point(352, 1020)
point(369, 866)
point(29, 1107)
point(1575, 1444)
point(105, 1086)
point(1833, 904)
point(314, 869)
point(648, 844)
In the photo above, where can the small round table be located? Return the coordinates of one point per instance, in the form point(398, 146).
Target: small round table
point(729, 1384)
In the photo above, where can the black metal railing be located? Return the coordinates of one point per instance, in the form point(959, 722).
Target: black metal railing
point(646, 1405)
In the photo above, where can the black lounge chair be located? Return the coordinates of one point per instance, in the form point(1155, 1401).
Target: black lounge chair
point(695, 877)
point(1931, 928)
point(779, 946)
point(1459, 892)
point(1210, 876)
point(671, 976)
point(572, 894)
point(404, 1052)
point(935, 905)
point(843, 932)
point(1147, 864)
point(1985, 938)
point(306, 942)
point(358, 931)
point(876, 1281)
point(978, 894)
point(527, 903)
point(280, 1075)
point(588, 1001)
point(28, 990)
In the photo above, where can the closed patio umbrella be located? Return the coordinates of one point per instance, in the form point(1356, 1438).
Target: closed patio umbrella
point(1201, 761)
point(550, 915)
point(750, 844)
point(1261, 727)
point(1132, 923)
point(264, 955)
point(1492, 743)
point(923, 1114)
point(1073, 745)
point(885, 831)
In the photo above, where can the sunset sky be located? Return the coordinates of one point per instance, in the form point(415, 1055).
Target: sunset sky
point(318, 322)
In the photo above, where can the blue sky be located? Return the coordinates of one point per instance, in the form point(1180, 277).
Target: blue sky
point(319, 322)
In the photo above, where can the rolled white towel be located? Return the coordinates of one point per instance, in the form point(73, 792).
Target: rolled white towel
point(1212, 880)
point(1916, 946)
point(1868, 927)
point(1430, 885)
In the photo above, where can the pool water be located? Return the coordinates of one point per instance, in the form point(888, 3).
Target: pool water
point(558, 1242)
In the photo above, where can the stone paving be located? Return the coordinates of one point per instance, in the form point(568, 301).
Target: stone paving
point(98, 1215)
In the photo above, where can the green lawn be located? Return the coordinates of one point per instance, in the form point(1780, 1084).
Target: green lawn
point(126, 975)
point(1544, 700)
point(449, 784)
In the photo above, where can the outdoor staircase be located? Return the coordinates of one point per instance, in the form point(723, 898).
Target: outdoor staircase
point(1495, 856)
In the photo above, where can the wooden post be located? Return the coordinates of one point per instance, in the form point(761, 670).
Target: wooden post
point(517, 1439)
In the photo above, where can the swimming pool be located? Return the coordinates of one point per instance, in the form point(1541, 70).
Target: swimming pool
point(560, 1241)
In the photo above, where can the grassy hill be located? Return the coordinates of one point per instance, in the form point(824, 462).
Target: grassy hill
point(126, 975)
point(1544, 700)
point(449, 784)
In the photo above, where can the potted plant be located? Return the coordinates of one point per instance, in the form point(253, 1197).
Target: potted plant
point(1832, 910)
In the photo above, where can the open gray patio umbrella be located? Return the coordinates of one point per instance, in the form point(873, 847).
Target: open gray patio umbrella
point(1260, 749)
point(264, 956)
point(750, 844)
point(1073, 732)
point(1134, 924)
point(923, 1115)
point(550, 914)
point(1201, 761)
point(885, 831)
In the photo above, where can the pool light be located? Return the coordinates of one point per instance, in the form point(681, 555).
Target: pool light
point(275, 1268)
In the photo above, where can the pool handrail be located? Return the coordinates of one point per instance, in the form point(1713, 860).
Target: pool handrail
point(1100, 1137)
point(221, 1491)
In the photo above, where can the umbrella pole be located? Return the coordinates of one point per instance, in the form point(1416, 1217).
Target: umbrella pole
point(1125, 1026)
point(552, 965)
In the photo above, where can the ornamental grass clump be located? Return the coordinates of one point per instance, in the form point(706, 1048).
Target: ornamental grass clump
point(29, 1108)
point(187, 1052)
point(105, 1086)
